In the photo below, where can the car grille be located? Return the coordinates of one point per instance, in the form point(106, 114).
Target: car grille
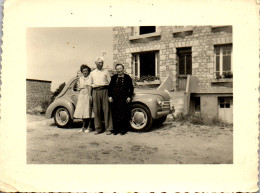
point(166, 105)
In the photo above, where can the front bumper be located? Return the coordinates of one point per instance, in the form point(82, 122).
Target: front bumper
point(162, 114)
point(165, 109)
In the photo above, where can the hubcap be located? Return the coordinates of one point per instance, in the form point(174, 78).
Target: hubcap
point(62, 116)
point(138, 118)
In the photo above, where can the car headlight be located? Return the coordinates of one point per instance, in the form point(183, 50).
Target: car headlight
point(160, 100)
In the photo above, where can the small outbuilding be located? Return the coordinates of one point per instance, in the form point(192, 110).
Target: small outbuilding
point(37, 93)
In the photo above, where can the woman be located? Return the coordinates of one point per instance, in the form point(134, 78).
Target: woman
point(83, 107)
point(120, 93)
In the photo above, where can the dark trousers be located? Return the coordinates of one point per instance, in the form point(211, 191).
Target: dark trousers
point(101, 108)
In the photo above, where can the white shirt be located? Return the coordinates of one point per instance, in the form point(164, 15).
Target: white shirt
point(99, 78)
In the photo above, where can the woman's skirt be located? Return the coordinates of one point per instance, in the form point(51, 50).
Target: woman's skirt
point(83, 108)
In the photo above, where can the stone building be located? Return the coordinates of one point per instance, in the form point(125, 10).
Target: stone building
point(193, 62)
point(37, 92)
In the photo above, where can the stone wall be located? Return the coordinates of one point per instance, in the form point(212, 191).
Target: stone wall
point(201, 41)
point(37, 92)
point(209, 105)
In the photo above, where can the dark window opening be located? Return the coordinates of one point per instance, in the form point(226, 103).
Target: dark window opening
point(147, 29)
point(147, 64)
point(197, 104)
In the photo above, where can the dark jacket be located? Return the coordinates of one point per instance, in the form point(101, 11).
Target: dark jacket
point(128, 88)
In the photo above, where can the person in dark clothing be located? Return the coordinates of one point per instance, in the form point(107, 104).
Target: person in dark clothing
point(120, 94)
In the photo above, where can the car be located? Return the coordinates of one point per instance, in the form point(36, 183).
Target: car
point(148, 106)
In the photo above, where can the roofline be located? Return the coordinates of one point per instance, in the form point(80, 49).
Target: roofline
point(37, 80)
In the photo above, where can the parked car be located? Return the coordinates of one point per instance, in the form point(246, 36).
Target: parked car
point(148, 106)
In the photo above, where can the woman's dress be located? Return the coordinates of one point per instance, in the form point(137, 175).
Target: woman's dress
point(83, 108)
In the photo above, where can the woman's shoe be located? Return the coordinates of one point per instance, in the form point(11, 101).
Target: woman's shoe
point(82, 130)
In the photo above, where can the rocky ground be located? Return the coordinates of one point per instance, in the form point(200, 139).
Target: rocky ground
point(170, 143)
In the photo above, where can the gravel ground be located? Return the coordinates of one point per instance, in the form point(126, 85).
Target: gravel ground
point(170, 143)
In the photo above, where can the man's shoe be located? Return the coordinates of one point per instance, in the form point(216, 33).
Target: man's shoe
point(109, 132)
point(97, 132)
point(123, 132)
point(115, 133)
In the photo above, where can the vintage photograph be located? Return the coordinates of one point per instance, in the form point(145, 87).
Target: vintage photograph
point(122, 96)
point(129, 95)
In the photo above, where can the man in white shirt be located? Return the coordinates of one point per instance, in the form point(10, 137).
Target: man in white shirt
point(100, 79)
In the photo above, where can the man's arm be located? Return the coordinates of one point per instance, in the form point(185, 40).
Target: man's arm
point(108, 76)
point(110, 88)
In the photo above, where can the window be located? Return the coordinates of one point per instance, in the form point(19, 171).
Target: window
point(182, 31)
point(145, 63)
point(223, 61)
point(146, 29)
point(142, 30)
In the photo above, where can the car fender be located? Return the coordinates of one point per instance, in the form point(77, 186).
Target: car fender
point(149, 100)
point(61, 102)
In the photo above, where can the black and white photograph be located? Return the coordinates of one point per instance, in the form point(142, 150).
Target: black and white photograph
point(150, 95)
point(131, 96)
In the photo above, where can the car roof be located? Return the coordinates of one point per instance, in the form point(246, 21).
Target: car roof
point(67, 86)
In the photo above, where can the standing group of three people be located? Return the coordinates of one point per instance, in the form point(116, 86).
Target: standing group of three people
point(103, 97)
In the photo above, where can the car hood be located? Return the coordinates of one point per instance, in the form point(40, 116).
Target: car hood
point(164, 94)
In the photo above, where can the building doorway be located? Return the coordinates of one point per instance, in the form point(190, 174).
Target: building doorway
point(184, 57)
point(225, 109)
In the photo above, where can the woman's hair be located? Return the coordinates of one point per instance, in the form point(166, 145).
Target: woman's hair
point(83, 66)
point(119, 65)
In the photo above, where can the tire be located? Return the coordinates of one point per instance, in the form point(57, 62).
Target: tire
point(62, 117)
point(160, 120)
point(141, 118)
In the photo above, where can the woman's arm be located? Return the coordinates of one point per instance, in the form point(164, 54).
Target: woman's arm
point(90, 92)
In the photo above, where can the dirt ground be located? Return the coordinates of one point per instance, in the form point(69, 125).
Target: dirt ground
point(170, 143)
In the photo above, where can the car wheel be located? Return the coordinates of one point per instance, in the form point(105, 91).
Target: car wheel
point(160, 120)
point(62, 117)
point(141, 118)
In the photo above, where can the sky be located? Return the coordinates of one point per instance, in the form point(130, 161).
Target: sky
point(55, 54)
